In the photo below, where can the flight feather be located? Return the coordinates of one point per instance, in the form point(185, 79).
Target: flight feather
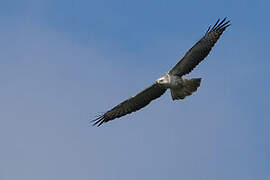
point(132, 104)
point(200, 50)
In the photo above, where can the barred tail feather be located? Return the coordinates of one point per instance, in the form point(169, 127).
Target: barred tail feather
point(189, 86)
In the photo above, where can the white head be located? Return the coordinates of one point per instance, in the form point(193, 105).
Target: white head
point(164, 80)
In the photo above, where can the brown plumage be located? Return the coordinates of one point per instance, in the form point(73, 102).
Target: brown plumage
point(180, 87)
point(200, 50)
point(132, 104)
point(189, 86)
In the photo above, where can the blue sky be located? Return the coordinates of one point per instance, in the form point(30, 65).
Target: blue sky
point(62, 62)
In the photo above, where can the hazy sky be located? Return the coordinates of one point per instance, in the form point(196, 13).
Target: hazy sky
point(64, 61)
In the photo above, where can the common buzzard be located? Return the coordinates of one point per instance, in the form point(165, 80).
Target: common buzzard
point(180, 87)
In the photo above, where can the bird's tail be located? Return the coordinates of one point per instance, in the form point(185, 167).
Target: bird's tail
point(189, 86)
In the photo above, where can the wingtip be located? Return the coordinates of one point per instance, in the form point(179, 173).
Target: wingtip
point(220, 25)
point(223, 24)
point(208, 29)
point(98, 121)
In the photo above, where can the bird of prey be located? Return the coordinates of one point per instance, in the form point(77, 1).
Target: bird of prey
point(180, 87)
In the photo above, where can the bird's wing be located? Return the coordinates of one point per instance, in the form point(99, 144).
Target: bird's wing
point(132, 104)
point(200, 50)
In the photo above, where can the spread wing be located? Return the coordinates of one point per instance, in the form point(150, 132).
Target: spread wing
point(200, 50)
point(132, 104)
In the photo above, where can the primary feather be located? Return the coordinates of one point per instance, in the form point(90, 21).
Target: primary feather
point(200, 50)
point(132, 104)
point(180, 87)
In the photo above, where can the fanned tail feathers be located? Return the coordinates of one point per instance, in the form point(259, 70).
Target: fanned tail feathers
point(189, 86)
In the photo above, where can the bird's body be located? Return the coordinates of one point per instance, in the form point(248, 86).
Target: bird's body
point(170, 81)
point(180, 87)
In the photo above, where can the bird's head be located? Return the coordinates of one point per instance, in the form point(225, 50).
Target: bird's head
point(165, 80)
